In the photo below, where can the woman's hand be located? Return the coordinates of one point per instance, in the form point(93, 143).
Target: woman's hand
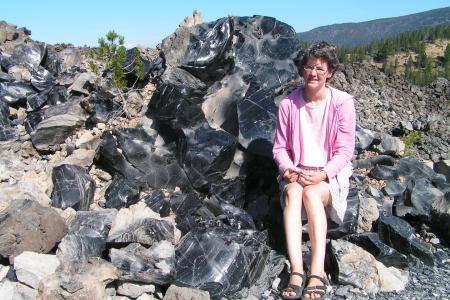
point(290, 175)
point(312, 178)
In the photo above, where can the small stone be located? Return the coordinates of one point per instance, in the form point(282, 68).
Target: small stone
point(341, 292)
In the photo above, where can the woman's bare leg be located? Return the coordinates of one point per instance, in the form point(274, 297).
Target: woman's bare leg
point(293, 229)
point(315, 198)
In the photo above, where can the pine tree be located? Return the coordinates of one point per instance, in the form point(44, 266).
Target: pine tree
point(113, 55)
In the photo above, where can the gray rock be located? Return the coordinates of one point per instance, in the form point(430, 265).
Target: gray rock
point(137, 263)
point(27, 226)
point(175, 292)
point(368, 213)
point(16, 291)
point(443, 167)
point(391, 146)
point(84, 84)
point(134, 290)
point(79, 280)
point(31, 267)
point(71, 57)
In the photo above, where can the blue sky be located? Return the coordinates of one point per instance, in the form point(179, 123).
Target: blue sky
point(147, 23)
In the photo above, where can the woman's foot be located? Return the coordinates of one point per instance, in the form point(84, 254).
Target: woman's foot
point(316, 288)
point(295, 287)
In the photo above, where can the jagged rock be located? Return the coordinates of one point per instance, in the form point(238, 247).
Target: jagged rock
point(368, 213)
point(408, 167)
point(108, 156)
point(67, 79)
point(71, 57)
point(57, 95)
point(36, 101)
point(175, 292)
point(49, 128)
point(84, 84)
point(207, 155)
point(79, 280)
point(443, 167)
point(135, 102)
point(153, 265)
point(353, 265)
point(440, 216)
point(212, 260)
point(102, 109)
point(158, 203)
point(5, 77)
point(381, 172)
point(364, 137)
point(121, 193)
point(134, 290)
point(13, 92)
point(81, 157)
point(42, 79)
point(238, 218)
point(417, 199)
point(129, 64)
point(390, 145)
point(229, 190)
point(393, 188)
point(441, 183)
point(19, 73)
point(27, 226)
point(161, 172)
point(73, 187)
point(7, 132)
point(29, 56)
point(31, 267)
point(183, 204)
point(367, 163)
point(53, 63)
point(140, 224)
point(81, 245)
point(16, 291)
point(192, 21)
point(370, 241)
point(398, 234)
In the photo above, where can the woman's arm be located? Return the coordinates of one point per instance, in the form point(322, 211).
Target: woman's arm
point(282, 152)
point(343, 145)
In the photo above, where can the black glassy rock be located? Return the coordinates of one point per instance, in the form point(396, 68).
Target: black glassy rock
point(57, 95)
point(398, 234)
point(182, 204)
point(417, 199)
point(53, 63)
point(223, 261)
point(237, 217)
point(206, 153)
point(73, 187)
point(42, 79)
point(5, 77)
point(365, 137)
point(87, 235)
point(158, 202)
point(121, 192)
point(160, 171)
point(381, 172)
point(108, 156)
point(153, 265)
point(129, 63)
point(7, 131)
point(13, 92)
point(29, 56)
point(103, 109)
point(230, 190)
point(440, 216)
point(408, 167)
point(370, 241)
point(393, 188)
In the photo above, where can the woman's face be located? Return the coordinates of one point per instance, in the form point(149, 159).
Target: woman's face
point(312, 77)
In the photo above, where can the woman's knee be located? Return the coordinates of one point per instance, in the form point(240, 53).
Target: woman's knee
point(313, 194)
point(293, 194)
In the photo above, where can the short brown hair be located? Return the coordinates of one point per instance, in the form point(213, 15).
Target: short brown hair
point(322, 50)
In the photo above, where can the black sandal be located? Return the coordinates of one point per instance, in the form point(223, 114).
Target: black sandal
point(292, 288)
point(317, 289)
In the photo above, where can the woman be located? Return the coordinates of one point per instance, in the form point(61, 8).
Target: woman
point(314, 144)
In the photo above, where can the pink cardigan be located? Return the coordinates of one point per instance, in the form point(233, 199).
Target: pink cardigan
point(341, 128)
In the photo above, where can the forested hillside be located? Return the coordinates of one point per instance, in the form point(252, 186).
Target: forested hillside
point(353, 34)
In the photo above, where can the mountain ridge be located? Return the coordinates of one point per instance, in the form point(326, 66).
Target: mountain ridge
point(353, 34)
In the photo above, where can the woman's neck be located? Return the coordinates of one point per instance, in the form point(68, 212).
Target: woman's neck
point(315, 98)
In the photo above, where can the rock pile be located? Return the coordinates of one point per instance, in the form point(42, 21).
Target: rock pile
point(181, 200)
